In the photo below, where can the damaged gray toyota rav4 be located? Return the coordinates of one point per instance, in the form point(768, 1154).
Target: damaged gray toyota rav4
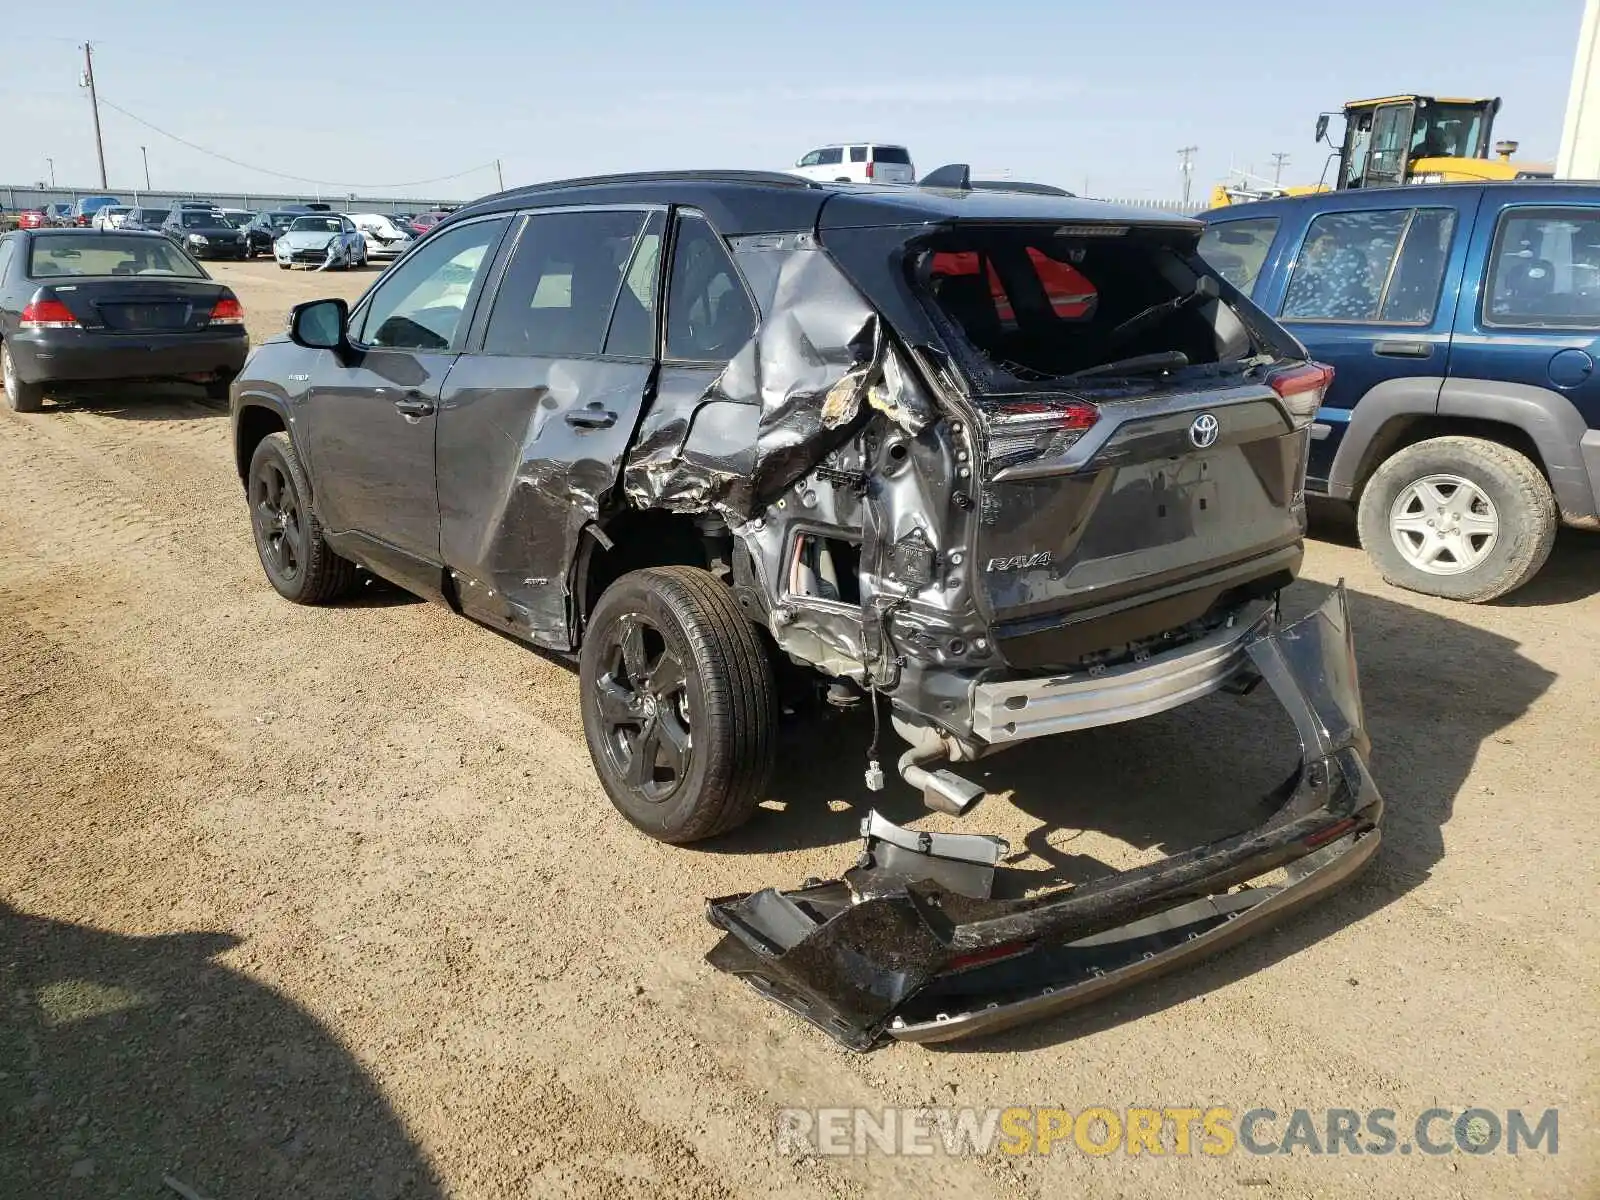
point(999, 465)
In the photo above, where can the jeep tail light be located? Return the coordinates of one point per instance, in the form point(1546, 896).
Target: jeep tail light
point(226, 311)
point(47, 313)
point(1029, 430)
point(1301, 389)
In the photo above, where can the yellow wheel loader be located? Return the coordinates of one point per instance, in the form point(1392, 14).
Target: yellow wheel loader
point(1403, 139)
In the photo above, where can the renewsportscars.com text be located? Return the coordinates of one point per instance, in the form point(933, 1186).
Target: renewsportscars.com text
point(1213, 1131)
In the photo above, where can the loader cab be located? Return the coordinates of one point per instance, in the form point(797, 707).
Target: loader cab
point(1416, 139)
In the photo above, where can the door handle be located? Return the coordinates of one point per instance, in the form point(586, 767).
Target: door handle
point(1390, 349)
point(591, 417)
point(413, 406)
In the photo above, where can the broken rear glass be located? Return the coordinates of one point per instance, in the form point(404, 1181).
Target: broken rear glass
point(1031, 306)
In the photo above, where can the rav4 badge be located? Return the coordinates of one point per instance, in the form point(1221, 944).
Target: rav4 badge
point(1019, 562)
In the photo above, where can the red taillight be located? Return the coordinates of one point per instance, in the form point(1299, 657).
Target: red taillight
point(869, 169)
point(226, 311)
point(83, 220)
point(1302, 388)
point(48, 314)
point(1031, 430)
point(1072, 415)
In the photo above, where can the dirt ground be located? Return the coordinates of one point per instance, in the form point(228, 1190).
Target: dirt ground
point(328, 903)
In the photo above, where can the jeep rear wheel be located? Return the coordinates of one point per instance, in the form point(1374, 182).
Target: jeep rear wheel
point(679, 704)
point(1458, 517)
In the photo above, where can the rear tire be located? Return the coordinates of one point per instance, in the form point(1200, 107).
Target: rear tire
point(20, 397)
point(679, 704)
point(289, 541)
point(1459, 517)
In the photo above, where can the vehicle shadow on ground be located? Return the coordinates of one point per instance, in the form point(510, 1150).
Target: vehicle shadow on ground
point(142, 402)
point(1434, 689)
point(1571, 573)
point(126, 1059)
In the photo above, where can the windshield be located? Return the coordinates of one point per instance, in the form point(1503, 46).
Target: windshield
point(238, 220)
point(315, 225)
point(1447, 131)
point(108, 254)
point(203, 220)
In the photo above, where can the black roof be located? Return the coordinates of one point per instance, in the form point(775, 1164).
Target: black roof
point(748, 202)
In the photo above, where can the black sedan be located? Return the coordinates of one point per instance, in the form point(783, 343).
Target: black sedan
point(267, 228)
point(205, 233)
point(81, 307)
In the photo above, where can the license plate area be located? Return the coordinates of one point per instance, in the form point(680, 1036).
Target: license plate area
point(141, 318)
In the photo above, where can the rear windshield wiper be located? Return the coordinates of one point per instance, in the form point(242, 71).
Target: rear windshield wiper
point(1139, 364)
point(1205, 288)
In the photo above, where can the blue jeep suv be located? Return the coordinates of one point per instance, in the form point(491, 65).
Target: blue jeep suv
point(1463, 324)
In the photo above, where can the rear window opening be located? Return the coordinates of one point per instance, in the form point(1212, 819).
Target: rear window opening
point(891, 154)
point(1030, 306)
point(824, 568)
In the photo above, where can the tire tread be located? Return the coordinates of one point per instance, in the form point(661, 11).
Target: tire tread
point(1532, 538)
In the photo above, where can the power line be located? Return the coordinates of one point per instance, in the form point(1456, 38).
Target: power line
point(1279, 160)
point(182, 141)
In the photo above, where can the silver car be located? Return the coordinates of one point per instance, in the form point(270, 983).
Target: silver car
point(320, 240)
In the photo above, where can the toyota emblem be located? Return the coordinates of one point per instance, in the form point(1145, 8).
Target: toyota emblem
point(1203, 432)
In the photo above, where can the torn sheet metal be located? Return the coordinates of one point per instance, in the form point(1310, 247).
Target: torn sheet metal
point(898, 947)
point(787, 398)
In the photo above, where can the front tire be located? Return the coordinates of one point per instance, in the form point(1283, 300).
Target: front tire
point(289, 541)
point(20, 397)
point(1459, 517)
point(679, 704)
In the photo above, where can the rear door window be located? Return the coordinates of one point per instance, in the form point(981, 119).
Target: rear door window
point(1376, 266)
point(1237, 250)
point(1544, 272)
point(561, 284)
point(709, 314)
point(858, 154)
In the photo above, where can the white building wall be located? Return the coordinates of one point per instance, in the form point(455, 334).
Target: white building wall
point(1580, 133)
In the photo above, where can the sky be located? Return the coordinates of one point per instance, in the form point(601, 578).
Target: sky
point(1095, 97)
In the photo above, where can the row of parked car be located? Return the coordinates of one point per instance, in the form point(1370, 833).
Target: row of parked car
point(208, 230)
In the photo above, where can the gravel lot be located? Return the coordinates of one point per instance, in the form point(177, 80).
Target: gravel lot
point(327, 903)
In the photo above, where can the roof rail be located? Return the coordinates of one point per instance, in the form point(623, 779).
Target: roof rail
point(768, 178)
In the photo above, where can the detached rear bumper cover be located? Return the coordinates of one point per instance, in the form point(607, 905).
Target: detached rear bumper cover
point(909, 945)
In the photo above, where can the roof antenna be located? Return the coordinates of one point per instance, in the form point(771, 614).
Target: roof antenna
point(956, 176)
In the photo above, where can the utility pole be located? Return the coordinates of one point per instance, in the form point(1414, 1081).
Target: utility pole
point(145, 154)
point(498, 175)
point(1279, 159)
point(51, 163)
point(1186, 166)
point(94, 103)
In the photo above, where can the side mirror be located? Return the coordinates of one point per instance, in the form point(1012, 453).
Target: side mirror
point(319, 325)
point(1322, 127)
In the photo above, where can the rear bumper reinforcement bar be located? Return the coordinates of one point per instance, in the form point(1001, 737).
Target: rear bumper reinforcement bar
point(907, 944)
point(1029, 708)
